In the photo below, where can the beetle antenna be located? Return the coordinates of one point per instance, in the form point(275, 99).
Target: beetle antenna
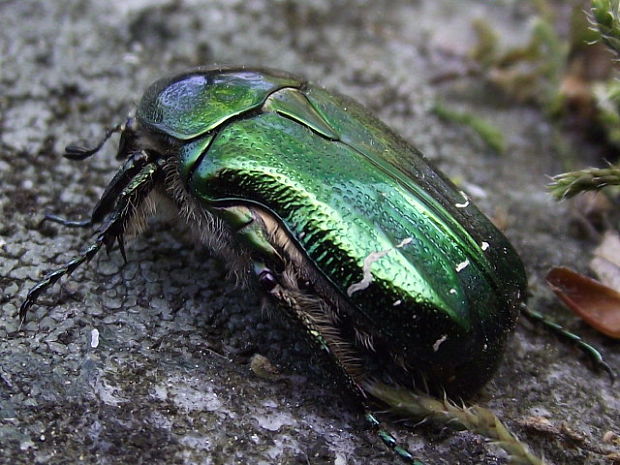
point(76, 152)
point(112, 230)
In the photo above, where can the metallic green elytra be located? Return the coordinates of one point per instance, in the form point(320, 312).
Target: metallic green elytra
point(321, 193)
point(384, 262)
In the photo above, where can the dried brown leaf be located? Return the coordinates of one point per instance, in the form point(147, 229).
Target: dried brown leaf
point(597, 304)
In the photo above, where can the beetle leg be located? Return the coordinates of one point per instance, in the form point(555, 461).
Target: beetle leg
point(112, 230)
point(589, 350)
point(390, 441)
point(123, 177)
point(105, 205)
point(266, 277)
point(68, 223)
point(121, 247)
point(318, 316)
point(69, 267)
point(310, 312)
point(249, 228)
point(343, 354)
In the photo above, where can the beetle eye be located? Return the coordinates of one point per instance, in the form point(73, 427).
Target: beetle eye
point(267, 279)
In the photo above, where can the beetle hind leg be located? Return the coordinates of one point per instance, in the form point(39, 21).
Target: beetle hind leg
point(317, 317)
point(595, 355)
point(390, 441)
point(292, 289)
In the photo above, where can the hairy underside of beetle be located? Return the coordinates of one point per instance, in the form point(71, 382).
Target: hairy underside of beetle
point(300, 292)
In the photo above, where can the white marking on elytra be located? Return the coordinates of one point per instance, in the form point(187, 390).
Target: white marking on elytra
point(404, 242)
point(94, 338)
point(367, 265)
point(484, 245)
point(439, 341)
point(464, 204)
point(461, 266)
point(452, 291)
point(397, 302)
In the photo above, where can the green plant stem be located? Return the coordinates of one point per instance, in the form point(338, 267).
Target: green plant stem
point(566, 185)
point(477, 419)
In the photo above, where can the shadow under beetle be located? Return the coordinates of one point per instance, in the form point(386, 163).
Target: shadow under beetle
point(385, 263)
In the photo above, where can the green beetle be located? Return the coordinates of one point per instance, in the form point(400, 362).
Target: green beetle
point(386, 264)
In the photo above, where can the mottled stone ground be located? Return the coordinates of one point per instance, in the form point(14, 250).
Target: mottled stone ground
point(169, 381)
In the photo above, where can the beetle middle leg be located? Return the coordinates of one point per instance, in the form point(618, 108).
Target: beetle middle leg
point(65, 222)
point(117, 212)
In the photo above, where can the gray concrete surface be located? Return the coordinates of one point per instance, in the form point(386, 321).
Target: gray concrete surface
point(169, 381)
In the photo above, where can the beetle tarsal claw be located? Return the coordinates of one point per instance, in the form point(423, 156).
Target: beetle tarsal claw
point(121, 247)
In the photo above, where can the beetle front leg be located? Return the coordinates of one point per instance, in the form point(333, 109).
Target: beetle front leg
point(134, 192)
point(68, 223)
point(132, 166)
